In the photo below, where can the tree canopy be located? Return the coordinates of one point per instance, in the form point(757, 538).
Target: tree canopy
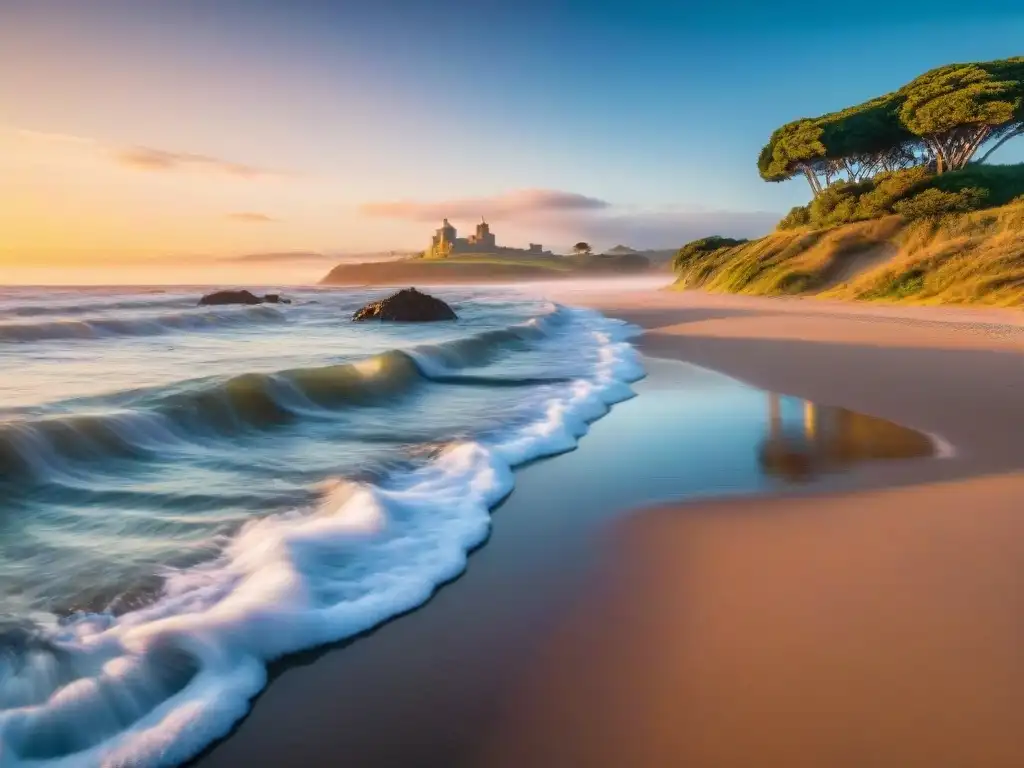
point(955, 109)
point(939, 120)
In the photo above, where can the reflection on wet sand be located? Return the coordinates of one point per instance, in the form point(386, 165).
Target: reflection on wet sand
point(826, 439)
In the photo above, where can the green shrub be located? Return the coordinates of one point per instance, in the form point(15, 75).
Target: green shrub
point(935, 202)
point(897, 285)
point(888, 188)
point(693, 251)
point(1002, 182)
point(794, 283)
point(799, 216)
point(837, 204)
point(908, 284)
point(971, 188)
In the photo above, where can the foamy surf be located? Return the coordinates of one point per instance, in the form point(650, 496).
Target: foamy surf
point(155, 686)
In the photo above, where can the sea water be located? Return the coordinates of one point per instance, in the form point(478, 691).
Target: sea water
point(187, 493)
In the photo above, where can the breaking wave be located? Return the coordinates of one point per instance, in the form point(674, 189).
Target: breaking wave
point(50, 309)
point(44, 449)
point(154, 686)
point(146, 325)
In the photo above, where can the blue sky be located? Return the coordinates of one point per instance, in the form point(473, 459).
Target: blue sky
point(658, 108)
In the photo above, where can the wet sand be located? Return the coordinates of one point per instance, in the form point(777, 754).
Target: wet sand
point(422, 690)
point(867, 618)
point(838, 626)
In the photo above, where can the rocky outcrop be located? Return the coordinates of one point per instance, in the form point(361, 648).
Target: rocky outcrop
point(220, 298)
point(407, 306)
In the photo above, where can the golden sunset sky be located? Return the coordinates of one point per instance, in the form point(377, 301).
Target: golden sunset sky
point(149, 141)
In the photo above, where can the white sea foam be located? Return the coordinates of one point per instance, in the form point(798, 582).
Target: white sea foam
point(155, 686)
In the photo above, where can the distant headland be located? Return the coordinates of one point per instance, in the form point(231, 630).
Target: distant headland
point(479, 259)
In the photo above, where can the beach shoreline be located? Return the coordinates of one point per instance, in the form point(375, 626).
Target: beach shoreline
point(593, 672)
point(869, 620)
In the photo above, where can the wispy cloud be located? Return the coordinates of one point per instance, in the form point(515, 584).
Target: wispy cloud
point(151, 159)
point(510, 205)
point(143, 158)
point(251, 217)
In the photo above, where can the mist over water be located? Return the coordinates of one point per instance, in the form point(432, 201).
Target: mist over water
point(187, 493)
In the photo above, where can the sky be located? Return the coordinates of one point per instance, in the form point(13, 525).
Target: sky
point(145, 140)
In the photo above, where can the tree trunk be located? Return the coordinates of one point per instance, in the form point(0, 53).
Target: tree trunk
point(812, 179)
point(1016, 132)
point(969, 142)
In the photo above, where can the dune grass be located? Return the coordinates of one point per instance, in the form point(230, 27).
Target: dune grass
point(973, 258)
point(976, 258)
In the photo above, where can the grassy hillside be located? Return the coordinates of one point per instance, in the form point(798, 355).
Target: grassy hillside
point(483, 268)
point(975, 257)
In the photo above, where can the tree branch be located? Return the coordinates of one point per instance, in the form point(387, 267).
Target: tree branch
point(1016, 132)
point(972, 147)
point(812, 180)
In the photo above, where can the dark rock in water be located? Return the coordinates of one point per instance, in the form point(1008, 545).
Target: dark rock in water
point(229, 297)
point(240, 297)
point(407, 306)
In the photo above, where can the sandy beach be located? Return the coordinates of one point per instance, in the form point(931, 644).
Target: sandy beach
point(867, 618)
point(872, 620)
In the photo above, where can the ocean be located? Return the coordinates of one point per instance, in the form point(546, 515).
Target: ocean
point(187, 493)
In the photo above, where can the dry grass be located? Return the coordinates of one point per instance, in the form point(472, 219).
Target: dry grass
point(975, 258)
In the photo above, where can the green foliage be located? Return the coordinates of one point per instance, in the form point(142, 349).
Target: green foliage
point(695, 250)
point(897, 285)
point(866, 133)
point(865, 129)
point(935, 202)
point(940, 120)
point(972, 188)
point(956, 95)
point(793, 283)
point(889, 187)
point(799, 216)
point(581, 248)
point(957, 108)
point(837, 204)
point(790, 149)
point(1002, 182)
